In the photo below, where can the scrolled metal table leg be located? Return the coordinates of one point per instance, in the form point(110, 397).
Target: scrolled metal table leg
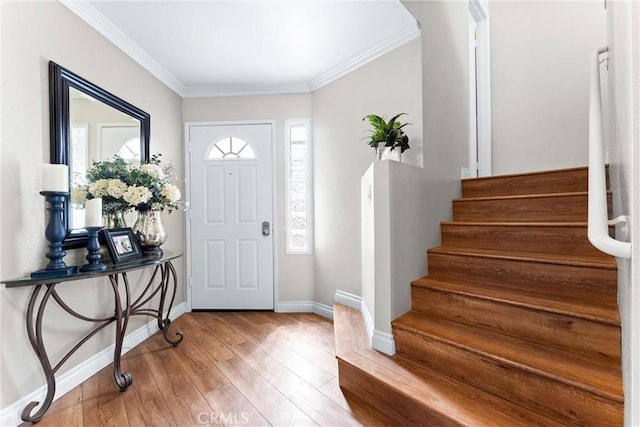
point(168, 275)
point(124, 380)
point(35, 338)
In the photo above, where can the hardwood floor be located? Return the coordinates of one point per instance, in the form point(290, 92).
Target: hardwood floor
point(247, 368)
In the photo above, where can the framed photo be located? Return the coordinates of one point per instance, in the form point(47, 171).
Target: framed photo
point(122, 244)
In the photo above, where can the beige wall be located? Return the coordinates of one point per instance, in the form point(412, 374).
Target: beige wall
point(540, 82)
point(294, 272)
point(32, 34)
point(445, 99)
point(386, 86)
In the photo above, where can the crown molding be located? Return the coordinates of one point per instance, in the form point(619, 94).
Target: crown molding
point(94, 18)
point(245, 90)
point(384, 46)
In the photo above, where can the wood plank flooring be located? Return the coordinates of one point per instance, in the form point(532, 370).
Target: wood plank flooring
point(232, 369)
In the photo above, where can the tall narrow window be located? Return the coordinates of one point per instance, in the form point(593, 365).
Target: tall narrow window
point(298, 172)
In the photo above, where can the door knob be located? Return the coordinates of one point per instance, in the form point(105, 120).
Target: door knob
point(266, 228)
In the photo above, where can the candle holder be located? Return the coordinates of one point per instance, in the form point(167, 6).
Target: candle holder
point(55, 234)
point(93, 247)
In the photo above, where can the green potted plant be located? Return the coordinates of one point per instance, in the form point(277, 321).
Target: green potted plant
point(388, 133)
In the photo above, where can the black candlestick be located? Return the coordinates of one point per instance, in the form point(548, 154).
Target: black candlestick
point(93, 246)
point(55, 234)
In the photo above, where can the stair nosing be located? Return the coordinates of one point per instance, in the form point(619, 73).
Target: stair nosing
point(524, 196)
point(551, 224)
point(519, 365)
point(523, 174)
point(550, 258)
point(530, 306)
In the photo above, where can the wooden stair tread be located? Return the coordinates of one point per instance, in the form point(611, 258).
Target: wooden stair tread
point(549, 258)
point(524, 196)
point(553, 181)
point(546, 361)
point(580, 169)
point(452, 399)
point(564, 306)
point(551, 207)
point(545, 237)
point(349, 330)
point(558, 224)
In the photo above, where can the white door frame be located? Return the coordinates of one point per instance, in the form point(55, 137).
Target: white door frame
point(187, 174)
point(482, 85)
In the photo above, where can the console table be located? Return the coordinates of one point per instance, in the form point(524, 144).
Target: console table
point(161, 284)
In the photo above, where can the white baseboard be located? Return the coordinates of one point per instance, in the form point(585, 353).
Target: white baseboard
point(368, 320)
point(383, 342)
point(10, 416)
point(304, 307)
point(323, 310)
point(350, 300)
point(294, 307)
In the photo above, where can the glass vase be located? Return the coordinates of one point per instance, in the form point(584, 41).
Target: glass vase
point(114, 220)
point(150, 232)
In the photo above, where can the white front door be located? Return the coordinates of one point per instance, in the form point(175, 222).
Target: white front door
point(231, 216)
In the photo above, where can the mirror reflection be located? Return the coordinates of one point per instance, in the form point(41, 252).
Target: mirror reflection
point(97, 132)
point(90, 124)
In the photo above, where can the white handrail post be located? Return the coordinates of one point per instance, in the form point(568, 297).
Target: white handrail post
point(598, 225)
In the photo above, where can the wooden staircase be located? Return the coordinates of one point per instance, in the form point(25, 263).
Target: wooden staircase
point(516, 324)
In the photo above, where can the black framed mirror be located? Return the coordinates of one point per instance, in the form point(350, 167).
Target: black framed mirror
point(90, 124)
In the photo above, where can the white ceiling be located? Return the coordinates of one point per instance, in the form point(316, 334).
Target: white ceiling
point(238, 47)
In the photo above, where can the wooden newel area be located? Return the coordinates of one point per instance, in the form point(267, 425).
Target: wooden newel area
point(163, 284)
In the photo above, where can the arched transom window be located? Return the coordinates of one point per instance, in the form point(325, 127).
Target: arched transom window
point(130, 150)
point(230, 148)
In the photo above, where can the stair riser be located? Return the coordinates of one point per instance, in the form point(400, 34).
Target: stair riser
point(541, 209)
point(392, 403)
point(563, 181)
point(544, 395)
point(597, 286)
point(543, 239)
point(598, 340)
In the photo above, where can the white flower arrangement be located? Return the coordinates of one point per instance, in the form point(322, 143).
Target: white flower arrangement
point(153, 170)
point(157, 180)
point(78, 195)
point(123, 186)
point(137, 195)
point(107, 180)
point(114, 188)
point(171, 193)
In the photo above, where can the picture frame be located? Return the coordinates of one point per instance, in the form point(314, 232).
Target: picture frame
point(122, 244)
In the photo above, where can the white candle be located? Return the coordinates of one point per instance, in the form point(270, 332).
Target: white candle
point(93, 213)
point(55, 178)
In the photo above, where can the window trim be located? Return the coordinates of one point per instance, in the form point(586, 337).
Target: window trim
point(288, 124)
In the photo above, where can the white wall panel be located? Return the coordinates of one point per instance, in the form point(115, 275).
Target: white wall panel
point(247, 185)
point(215, 196)
point(216, 262)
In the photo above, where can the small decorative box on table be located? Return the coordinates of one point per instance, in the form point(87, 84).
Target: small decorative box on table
point(162, 284)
